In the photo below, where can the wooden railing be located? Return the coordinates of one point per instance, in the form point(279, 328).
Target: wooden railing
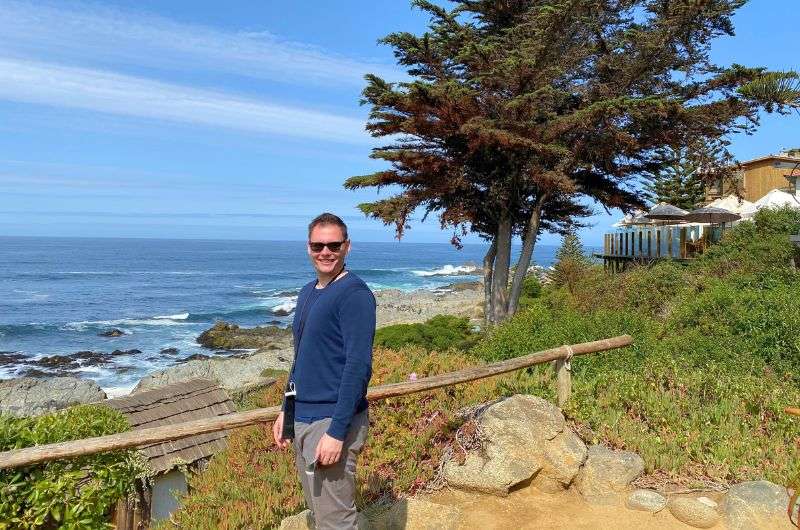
point(561, 355)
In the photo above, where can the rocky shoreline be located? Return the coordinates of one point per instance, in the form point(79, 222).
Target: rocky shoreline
point(239, 359)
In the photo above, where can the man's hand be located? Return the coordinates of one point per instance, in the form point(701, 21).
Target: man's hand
point(329, 450)
point(277, 430)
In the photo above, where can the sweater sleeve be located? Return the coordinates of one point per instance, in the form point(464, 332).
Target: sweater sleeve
point(357, 321)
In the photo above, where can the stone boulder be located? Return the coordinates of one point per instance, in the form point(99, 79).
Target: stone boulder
point(418, 514)
point(607, 473)
point(694, 512)
point(111, 333)
point(231, 337)
point(495, 476)
point(646, 501)
point(28, 396)
point(523, 436)
point(756, 505)
point(304, 521)
point(237, 375)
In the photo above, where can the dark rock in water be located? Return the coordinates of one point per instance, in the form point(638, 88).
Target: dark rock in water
point(464, 286)
point(10, 357)
point(111, 333)
point(195, 357)
point(90, 358)
point(116, 353)
point(34, 372)
point(275, 322)
point(281, 312)
point(285, 294)
point(232, 337)
point(169, 351)
point(56, 361)
point(223, 352)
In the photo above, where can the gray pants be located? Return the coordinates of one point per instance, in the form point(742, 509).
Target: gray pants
point(330, 492)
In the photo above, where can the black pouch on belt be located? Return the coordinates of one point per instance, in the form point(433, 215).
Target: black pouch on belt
point(288, 412)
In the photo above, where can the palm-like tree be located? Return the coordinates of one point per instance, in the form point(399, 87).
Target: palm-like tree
point(775, 90)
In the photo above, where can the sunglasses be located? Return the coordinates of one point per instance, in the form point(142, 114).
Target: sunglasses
point(334, 246)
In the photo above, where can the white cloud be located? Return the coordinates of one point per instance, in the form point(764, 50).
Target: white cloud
point(100, 91)
point(102, 35)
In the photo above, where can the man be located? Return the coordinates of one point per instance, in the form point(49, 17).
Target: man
point(334, 326)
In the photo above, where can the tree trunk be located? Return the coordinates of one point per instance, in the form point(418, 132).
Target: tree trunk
point(500, 275)
point(488, 267)
point(528, 242)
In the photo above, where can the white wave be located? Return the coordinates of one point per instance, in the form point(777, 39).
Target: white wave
point(177, 316)
point(287, 307)
point(118, 391)
point(449, 270)
point(121, 322)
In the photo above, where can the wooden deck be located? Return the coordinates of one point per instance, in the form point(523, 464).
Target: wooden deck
point(648, 244)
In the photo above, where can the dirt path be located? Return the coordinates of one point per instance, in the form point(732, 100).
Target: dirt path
point(530, 508)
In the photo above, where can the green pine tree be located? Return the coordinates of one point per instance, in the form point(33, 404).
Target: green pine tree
point(679, 181)
point(571, 263)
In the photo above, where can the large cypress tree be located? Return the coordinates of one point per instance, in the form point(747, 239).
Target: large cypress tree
point(517, 110)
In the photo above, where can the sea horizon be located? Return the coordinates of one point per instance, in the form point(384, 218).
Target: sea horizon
point(58, 295)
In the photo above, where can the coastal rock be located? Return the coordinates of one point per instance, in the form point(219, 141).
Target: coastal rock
point(399, 307)
point(60, 362)
point(10, 357)
point(756, 505)
point(195, 357)
point(646, 501)
point(304, 521)
point(169, 351)
point(281, 312)
point(418, 514)
point(111, 333)
point(235, 374)
point(231, 337)
point(522, 435)
point(693, 512)
point(90, 358)
point(27, 396)
point(607, 473)
point(133, 351)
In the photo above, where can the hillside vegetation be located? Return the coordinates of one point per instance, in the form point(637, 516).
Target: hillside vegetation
point(699, 394)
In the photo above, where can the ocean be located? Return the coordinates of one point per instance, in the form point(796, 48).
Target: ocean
point(57, 295)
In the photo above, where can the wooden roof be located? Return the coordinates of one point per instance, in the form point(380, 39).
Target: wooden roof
point(175, 403)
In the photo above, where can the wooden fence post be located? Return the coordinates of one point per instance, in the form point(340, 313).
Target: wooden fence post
point(563, 370)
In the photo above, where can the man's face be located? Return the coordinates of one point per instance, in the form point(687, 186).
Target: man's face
point(326, 261)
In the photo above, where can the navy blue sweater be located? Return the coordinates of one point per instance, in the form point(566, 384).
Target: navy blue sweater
point(334, 355)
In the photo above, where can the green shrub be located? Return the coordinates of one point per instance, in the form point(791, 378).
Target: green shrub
point(70, 493)
point(440, 333)
point(531, 287)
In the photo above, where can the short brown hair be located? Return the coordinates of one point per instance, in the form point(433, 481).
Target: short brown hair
point(327, 219)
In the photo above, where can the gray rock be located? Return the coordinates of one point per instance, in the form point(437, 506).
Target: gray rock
point(235, 374)
point(693, 512)
point(756, 505)
point(494, 476)
point(111, 333)
point(646, 501)
point(607, 473)
point(523, 435)
point(418, 514)
point(27, 396)
point(304, 521)
point(563, 457)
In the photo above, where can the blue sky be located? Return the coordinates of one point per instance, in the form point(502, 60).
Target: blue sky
point(234, 120)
